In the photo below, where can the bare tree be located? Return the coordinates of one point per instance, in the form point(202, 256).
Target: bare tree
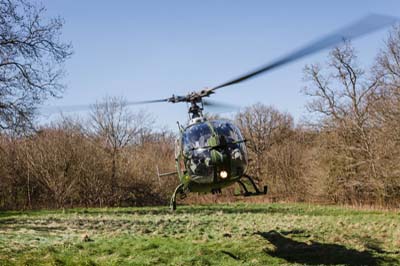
point(263, 126)
point(51, 158)
point(387, 74)
point(31, 57)
point(343, 98)
point(388, 60)
point(118, 127)
point(386, 114)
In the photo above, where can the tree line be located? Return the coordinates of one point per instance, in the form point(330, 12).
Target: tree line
point(346, 151)
point(109, 160)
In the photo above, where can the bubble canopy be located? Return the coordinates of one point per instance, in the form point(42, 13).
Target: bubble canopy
point(211, 147)
point(196, 136)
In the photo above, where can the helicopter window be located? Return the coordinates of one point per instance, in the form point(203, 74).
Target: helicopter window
point(230, 132)
point(200, 163)
point(196, 136)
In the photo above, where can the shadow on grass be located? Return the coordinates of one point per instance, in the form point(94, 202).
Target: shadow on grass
point(319, 253)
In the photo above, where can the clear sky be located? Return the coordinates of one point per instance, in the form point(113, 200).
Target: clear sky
point(145, 50)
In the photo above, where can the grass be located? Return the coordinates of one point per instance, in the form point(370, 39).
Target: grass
point(236, 234)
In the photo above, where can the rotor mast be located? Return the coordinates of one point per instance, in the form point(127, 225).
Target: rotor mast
point(195, 111)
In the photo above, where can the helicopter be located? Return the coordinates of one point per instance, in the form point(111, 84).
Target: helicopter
point(211, 154)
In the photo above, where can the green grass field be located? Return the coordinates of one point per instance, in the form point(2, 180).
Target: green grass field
point(237, 234)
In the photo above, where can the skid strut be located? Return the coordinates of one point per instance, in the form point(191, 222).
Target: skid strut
point(256, 192)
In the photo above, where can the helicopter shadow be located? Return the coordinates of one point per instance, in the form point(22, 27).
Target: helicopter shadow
point(318, 253)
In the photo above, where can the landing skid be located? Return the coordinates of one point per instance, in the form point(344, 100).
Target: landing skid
point(180, 190)
point(256, 192)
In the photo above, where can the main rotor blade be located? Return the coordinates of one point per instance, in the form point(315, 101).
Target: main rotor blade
point(65, 108)
point(146, 102)
point(363, 26)
point(217, 104)
point(83, 107)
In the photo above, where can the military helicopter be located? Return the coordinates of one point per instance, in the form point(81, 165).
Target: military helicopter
point(211, 155)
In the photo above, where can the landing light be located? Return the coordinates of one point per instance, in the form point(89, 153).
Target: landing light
point(223, 174)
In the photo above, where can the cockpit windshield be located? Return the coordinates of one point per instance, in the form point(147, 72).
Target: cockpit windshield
point(196, 136)
point(211, 146)
point(226, 129)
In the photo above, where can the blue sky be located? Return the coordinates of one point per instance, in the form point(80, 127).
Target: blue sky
point(145, 50)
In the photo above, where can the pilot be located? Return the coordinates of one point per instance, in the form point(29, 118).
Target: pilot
point(199, 166)
point(237, 155)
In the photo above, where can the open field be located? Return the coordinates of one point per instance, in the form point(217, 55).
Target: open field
point(238, 234)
